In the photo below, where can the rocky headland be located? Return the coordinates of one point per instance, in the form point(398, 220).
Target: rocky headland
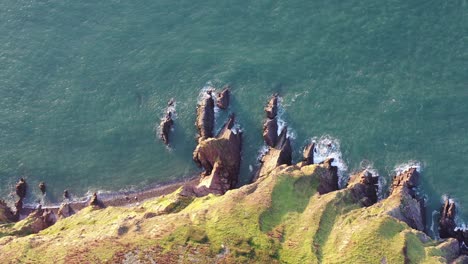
point(292, 212)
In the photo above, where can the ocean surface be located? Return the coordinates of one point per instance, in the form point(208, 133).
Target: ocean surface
point(83, 84)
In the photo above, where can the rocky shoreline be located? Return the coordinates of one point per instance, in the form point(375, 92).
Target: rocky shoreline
point(219, 155)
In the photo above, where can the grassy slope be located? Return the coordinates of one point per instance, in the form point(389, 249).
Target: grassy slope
point(279, 219)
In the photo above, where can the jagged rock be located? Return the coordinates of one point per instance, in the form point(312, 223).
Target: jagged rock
point(165, 126)
point(66, 194)
point(447, 223)
point(407, 206)
point(42, 187)
point(450, 249)
point(38, 220)
point(65, 210)
point(6, 214)
point(95, 201)
point(21, 188)
point(271, 109)
point(278, 155)
point(308, 154)
point(220, 157)
point(328, 181)
point(363, 187)
point(270, 132)
point(222, 100)
point(205, 117)
point(461, 260)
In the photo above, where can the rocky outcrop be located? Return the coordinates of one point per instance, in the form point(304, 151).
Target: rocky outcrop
point(448, 227)
point(271, 109)
point(270, 132)
point(278, 155)
point(6, 214)
point(166, 123)
point(205, 117)
point(21, 188)
point(95, 202)
point(308, 155)
point(408, 206)
point(42, 187)
point(328, 181)
point(38, 220)
point(220, 158)
point(223, 98)
point(364, 188)
point(65, 210)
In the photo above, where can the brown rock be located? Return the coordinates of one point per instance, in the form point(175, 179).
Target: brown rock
point(271, 109)
point(363, 188)
point(308, 154)
point(220, 157)
point(66, 194)
point(329, 180)
point(447, 223)
point(42, 187)
point(165, 126)
point(407, 206)
point(222, 100)
point(6, 214)
point(65, 210)
point(95, 201)
point(21, 188)
point(278, 155)
point(270, 132)
point(205, 117)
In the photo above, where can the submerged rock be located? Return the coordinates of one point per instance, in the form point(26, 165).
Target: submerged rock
point(222, 100)
point(220, 157)
point(205, 117)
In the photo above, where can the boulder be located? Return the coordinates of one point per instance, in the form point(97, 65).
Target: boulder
point(270, 132)
point(222, 100)
point(205, 117)
point(364, 188)
point(220, 158)
point(271, 109)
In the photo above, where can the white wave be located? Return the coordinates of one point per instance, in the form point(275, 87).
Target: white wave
point(399, 169)
point(262, 152)
point(433, 221)
point(281, 122)
point(329, 147)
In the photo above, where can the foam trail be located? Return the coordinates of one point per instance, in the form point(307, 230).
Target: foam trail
point(329, 147)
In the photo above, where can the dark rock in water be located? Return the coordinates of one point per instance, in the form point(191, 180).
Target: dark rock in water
point(447, 223)
point(205, 117)
point(407, 206)
point(363, 188)
point(95, 201)
point(165, 126)
point(220, 157)
point(308, 154)
point(21, 188)
point(222, 100)
point(66, 194)
point(329, 180)
point(272, 108)
point(279, 154)
point(42, 187)
point(270, 132)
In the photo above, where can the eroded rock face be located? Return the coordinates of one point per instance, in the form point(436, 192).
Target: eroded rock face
point(220, 158)
point(222, 100)
point(279, 154)
point(65, 210)
point(410, 208)
point(308, 154)
point(270, 132)
point(205, 117)
point(271, 109)
point(329, 180)
point(364, 187)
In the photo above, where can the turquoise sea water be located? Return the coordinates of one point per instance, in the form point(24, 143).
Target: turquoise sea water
point(83, 84)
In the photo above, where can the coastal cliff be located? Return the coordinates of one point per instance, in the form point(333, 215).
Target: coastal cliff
point(290, 213)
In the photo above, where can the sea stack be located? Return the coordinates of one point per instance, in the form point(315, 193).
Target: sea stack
point(42, 188)
point(222, 100)
point(166, 123)
point(205, 116)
